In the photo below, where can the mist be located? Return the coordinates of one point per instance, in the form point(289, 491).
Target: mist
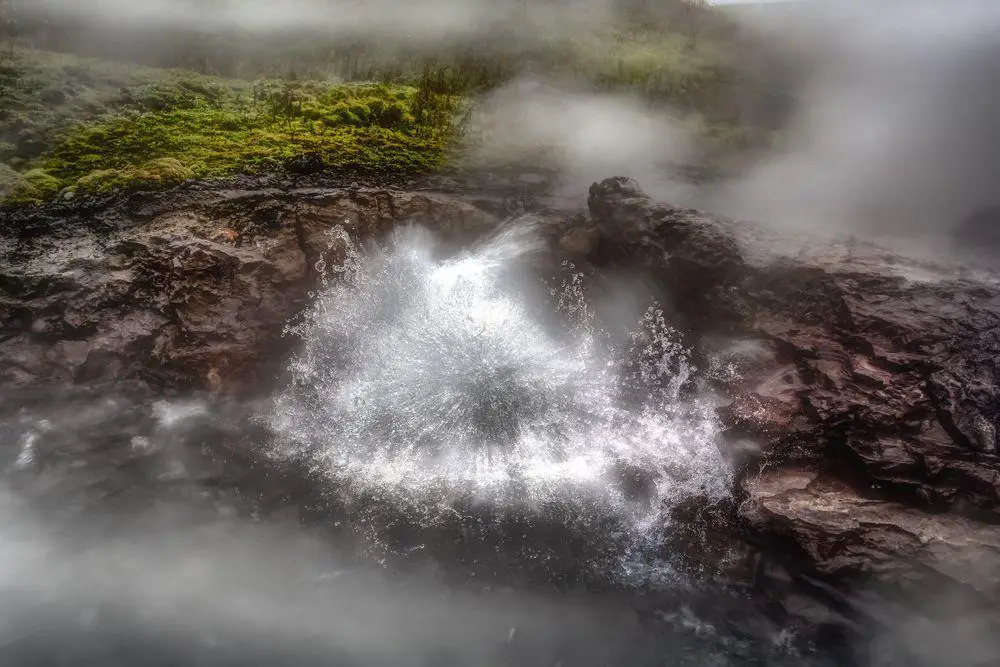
point(583, 135)
point(132, 527)
point(421, 21)
point(896, 129)
point(185, 588)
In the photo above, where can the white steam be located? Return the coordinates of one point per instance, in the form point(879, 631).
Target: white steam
point(413, 19)
point(897, 129)
point(586, 136)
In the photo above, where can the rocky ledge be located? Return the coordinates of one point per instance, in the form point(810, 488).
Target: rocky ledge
point(861, 387)
point(865, 384)
point(189, 289)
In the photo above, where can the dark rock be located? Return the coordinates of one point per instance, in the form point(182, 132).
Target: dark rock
point(834, 531)
point(182, 289)
point(308, 163)
point(887, 381)
point(580, 241)
point(981, 227)
point(872, 398)
point(860, 386)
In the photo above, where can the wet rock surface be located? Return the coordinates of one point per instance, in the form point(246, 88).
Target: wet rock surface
point(864, 387)
point(189, 289)
point(861, 387)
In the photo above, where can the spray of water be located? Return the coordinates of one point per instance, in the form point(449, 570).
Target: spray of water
point(462, 387)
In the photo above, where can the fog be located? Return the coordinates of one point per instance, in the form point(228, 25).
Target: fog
point(585, 136)
point(177, 588)
point(419, 20)
point(896, 130)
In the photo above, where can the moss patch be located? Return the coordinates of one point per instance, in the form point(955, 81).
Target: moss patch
point(167, 132)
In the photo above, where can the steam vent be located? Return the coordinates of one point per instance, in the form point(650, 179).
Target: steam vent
point(330, 336)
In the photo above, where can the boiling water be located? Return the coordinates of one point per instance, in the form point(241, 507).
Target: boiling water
point(447, 389)
point(482, 409)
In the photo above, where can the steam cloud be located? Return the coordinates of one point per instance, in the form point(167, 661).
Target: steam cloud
point(898, 128)
point(182, 590)
point(586, 136)
point(413, 20)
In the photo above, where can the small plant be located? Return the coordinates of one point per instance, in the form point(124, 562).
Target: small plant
point(174, 132)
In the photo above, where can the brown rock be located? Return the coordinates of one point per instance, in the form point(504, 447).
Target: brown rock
point(185, 289)
point(841, 534)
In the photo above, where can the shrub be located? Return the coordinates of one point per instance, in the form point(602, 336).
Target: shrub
point(164, 170)
point(42, 181)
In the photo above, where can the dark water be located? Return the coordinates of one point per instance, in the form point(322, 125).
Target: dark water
point(442, 479)
point(131, 534)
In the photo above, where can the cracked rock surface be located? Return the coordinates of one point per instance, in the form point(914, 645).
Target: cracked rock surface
point(872, 394)
point(187, 291)
point(865, 383)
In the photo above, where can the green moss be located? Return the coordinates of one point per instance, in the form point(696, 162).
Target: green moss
point(164, 170)
point(102, 180)
point(9, 180)
point(31, 187)
point(103, 125)
point(194, 131)
point(42, 180)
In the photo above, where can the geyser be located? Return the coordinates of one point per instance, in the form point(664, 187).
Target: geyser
point(449, 389)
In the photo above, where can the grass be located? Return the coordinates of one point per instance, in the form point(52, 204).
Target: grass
point(658, 65)
point(171, 127)
point(73, 124)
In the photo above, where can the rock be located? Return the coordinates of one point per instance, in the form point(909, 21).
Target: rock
point(308, 163)
point(833, 530)
point(859, 387)
point(888, 380)
point(580, 241)
point(183, 289)
point(872, 395)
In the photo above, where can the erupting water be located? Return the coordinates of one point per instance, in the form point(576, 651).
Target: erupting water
point(450, 389)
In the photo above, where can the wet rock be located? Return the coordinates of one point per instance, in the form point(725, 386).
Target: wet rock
point(886, 381)
point(859, 386)
point(835, 531)
point(183, 289)
point(580, 241)
point(871, 398)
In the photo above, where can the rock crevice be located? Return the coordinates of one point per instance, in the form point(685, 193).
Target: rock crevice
point(862, 386)
point(876, 407)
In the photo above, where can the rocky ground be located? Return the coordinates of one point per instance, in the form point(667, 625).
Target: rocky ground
point(861, 386)
point(866, 389)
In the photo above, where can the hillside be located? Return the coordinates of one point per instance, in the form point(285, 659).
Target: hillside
point(84, 111)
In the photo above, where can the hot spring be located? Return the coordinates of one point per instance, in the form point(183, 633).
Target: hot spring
point(436, 390)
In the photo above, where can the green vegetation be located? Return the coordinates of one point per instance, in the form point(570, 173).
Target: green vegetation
point(182, 126)
point(194, 130)
point(659, 65)
point(250, 103)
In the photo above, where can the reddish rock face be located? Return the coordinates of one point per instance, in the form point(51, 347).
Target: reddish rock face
point(862, 388)
point(195, 295)
point(877, 398)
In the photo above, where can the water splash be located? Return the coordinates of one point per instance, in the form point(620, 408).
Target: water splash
point(458, 387)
